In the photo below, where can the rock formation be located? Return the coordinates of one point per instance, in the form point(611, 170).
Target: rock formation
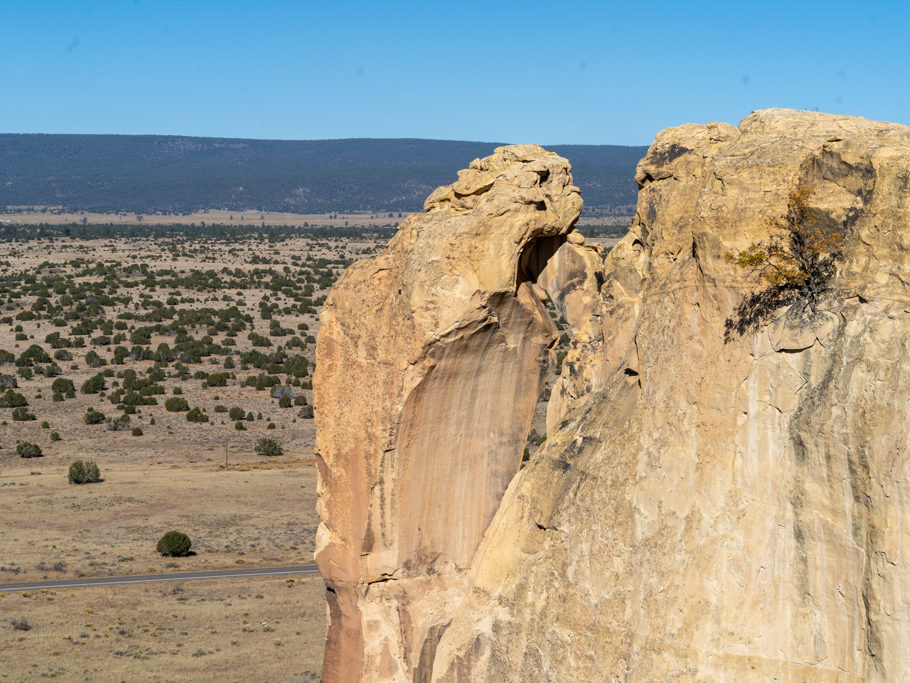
point(701, 509)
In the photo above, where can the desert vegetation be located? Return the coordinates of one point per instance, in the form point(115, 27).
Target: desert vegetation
point(136, 357)
point(792, 267)
point(147, 336)
point(174, 544)
point(84, 473)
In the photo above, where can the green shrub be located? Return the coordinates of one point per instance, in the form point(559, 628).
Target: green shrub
point(119, 424)
point(84, 472)
point(221, 409)
point(217, 379)
point(239, 426)
point(22, 415)
point(236, 413)
point(268, 447)
point(64, 386)
point(174, 544)
point(12, 399)
point(176, 404)
point(306, 412)
point(93, 385)
point(93, 417)
point(137, 431)
point(26, 449)
point(93, 360)
point(55, 436)
point(284, 402)
point(196, 415)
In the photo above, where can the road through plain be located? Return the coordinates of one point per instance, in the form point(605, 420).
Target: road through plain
point(155, 578)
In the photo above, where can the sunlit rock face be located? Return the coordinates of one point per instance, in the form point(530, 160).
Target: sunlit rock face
point(430, 362)
point(702, 509)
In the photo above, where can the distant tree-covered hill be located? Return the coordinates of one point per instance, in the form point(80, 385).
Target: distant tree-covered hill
point(152, 173)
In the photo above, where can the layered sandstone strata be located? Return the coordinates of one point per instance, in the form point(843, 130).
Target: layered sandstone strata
point(702, 509)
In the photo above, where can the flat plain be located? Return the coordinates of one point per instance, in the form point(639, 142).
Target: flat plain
point(204, 347)
point(237, 630)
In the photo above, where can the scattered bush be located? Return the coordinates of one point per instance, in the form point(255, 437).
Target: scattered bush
point(12, 399)
point(236, 413)
point(84, 472)
point(64, 386)
point(306, 412)
point(93, 417)
point(268, 447)
point(217, 379)
point(22, 415)
point(119, 424)
point(93, 385)
point(26, 449)
point(196, 415)
point(176, 404)
point(20, 624)
point(283, 392)
point(174, 544)
point(55, 436)
point(137, 431)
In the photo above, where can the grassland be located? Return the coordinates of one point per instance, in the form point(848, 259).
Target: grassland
point(228, 326)
point(237, 630)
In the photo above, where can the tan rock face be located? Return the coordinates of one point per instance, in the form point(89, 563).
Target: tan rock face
point(430, 362)
point(701, 510)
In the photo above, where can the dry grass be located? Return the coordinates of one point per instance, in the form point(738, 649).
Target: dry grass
point(244, 516)
point(263, 629)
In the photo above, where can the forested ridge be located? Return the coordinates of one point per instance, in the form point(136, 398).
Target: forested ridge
point(153, 173)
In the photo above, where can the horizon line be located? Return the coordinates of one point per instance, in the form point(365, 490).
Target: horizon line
point(347, 139)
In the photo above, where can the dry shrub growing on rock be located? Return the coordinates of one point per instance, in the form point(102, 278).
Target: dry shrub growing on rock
point(795, 264)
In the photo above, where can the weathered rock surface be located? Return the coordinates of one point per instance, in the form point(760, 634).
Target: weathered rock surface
point(701, 510)
point(430, 361)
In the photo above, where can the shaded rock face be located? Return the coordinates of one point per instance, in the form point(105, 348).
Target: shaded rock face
point(701, 510)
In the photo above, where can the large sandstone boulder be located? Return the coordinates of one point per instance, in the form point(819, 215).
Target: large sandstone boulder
point(702, 509)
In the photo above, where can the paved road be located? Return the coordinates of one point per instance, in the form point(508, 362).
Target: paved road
point(155, 578)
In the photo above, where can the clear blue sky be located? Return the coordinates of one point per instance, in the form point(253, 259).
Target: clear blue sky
point(547, 72)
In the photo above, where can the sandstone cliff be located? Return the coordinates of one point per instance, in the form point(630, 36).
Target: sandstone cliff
point(701, 510)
